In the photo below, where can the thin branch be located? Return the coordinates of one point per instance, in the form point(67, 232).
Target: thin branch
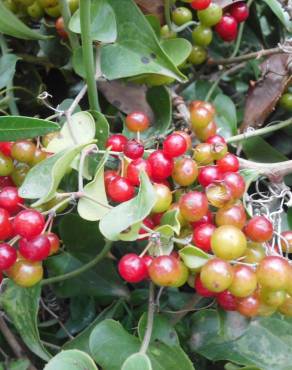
point(10, 338)
point(180, 105)
point(150, 320)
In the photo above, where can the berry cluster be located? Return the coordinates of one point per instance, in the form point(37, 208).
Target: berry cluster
point(243, 272)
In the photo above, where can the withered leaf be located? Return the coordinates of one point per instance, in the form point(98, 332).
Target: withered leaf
point(154, 7)
point(225, 3)
point(264, 94)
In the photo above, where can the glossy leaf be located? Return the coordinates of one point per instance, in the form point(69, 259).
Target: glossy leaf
point(266, 153)
point(130, 212)
point(281, 13)
point(7, 68)
point(226, 119)
point(249, 176)
point(22, 305)
point(137, 361)
point(102, 128)
point(171, 218)
point(71, 360)
point(177, 49)
point(193, 257)
point(15, 127)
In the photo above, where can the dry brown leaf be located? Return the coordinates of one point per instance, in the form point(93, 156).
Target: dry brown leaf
point(264, 94)
point(154, 7)
point(127, 97)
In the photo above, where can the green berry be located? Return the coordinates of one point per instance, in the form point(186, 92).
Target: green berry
point(210, 16)
point(198, 55)
point(202, 35)
point(286, 101)
point(181, 15)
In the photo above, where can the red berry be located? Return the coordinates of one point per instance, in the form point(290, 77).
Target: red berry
point(60, 28)
point(200, 4)
point(235, 183)
point(116, 142)
point(239, 11)
point(193, 206)
point(161, 166)
point(9, 199)
point(132, 268)
point(227, 301)
point(229, 163)
point(259, 229)
point(5, 148)
point(5, 181)
point(207, 219)
point(200, 289)
point(147, 260)
point(208, 175)
point(120, 189)
point(202, 236)
point(227, 28)
point(174, 145)
point(137, 121)
point(28, 223)
point(134, 169)
point(54, 242)
point(6, 229)
point(109, 175)
point(156, 218)
point(216, 139)
point(35, 249)
point(133, 149)
point(8, 256)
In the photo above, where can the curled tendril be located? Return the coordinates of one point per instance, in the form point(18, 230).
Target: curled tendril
point(43, 97)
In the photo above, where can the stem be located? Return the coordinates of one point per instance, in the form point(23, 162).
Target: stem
point(150, 320)
point(10, 338)
point(259, 132)
point(66, 14)
point(87, 50)
point(86, 267)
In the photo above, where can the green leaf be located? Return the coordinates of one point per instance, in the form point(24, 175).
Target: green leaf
point(281, 13)
point(21, 305)
point(137, 361)
point(12, 26)
point(193, 257)
point(257, 149)
point(129, 213)
point(177, 49)
point(71, 360)
point(226, 118)
point(103, 22)
point(171, 218)
point(16, 365)
point(230, 336)
point(43, 179)
point(14, 127)
point(230, 366)
point(289, 216)
point(166, 243)
point(102, 128)
point(87, 208)
point(137, 49)
point(249, 176)
point(7, 68)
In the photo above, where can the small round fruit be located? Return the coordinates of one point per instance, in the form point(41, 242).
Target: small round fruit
point(120, 190)
point(240, 11)
point(200, 4)
point(133, 149)
point(200, 117)
point(286, 307)
point(23, 151)
point(132, 268)
point(166, 33)
point(137, 122)
point(117, 142)
point(54, 11)
point(207, 219)
point(39, 156)
point(228, 242)
point(174, 145)
point(244, 281)
point(6, 229)
point(193, 206)
point(216, 139)
point(227, 301)
point(5, 181)
point(5, 147)
point(203, 154)
point(248, 306)
point(47, 3)
point(28, 223)
point(202, 35)
point(219, 195)
point(185, 172)
point(26, 273)
point(286, 243)
point(208, 175)
point(54, 243)
point(265, 310)
point(186, 137)
point(168, 271)
point(60, 28)
point(202, 236)
point(163, 198)
point(219, 150)
point(259, 229)
point(73, 5)
point(254, 253)
point(229, 163)
point(35, 10)
point(235, 182)
point(181, 15)
point(46, 139)
point(198, 55)
point(231, 215)
point(10, 200)
point(273, 298)
point(211, 15)
point(204, 133)
point(6, 165)
point(8, 256)
point(227, 28)
point(273, 273)
point(200, 289)
point(161, 166)
point(109, 175)
point(216, 275)
point(135, 168)
point(286, 102)
point(35, 249)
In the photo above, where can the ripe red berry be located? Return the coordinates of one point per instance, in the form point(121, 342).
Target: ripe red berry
point(229, 163)
point(9, 199)
point(60, 28)
point(216, 139)
point(137, 122)
point(28, 223)
point(133, 149)
point(5, 148)
point(54, 242)
point(200, 289)
point(208, 175)
point(200, 4)
point(109, 175)
point(227, 28)
point(156, 218)
point(6, 230)
point(193, 206)
point(235, 183)
point(227, 301)
point(8, 256)
point(259, 229)
point(147, 260)
point(132, 268)
point(5, 181)
point(35, 249)
point(161, 165)
point(202, 236)
point(134, 169)
point(207, 219)
point(120, 189)
point(116, 142)
point(239, 11)
point(174, 145)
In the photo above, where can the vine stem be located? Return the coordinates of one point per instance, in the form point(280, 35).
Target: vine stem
point(66, 14)
point(85, 22)
point(82, 269)
point(150, 320)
